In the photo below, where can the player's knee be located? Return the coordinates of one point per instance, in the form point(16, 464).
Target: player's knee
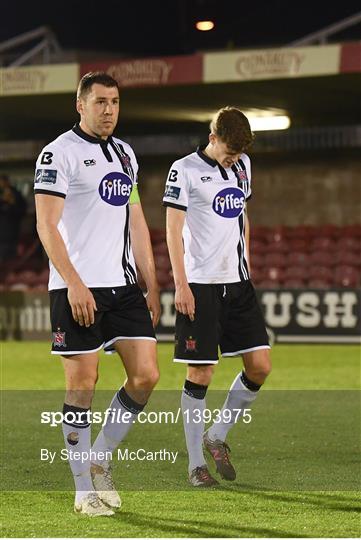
point(145, 381)
point(259, 371)
point(200, 374)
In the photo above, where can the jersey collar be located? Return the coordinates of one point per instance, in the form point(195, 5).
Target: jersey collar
point(202, 155)
point(95, 140)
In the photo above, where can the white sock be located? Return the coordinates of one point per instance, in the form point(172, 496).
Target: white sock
point(115, 430)
point(77, 439)
point(193, 397)
point(239, 396)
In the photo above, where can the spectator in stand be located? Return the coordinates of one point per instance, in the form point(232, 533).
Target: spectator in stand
point(12, 211)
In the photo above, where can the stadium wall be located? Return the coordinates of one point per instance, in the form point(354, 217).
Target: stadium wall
point(292, 316)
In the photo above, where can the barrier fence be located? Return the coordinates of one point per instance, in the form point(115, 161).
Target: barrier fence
point(292, 315)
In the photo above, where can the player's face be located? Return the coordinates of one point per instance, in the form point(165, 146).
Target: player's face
point(99, 110)
point(220, 151)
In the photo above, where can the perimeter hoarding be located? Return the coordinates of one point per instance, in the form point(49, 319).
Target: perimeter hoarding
point(292, 315)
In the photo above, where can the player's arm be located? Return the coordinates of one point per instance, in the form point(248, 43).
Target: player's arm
point(247, 237)
point(184, 299)
point(49, 209)
point(143, 255)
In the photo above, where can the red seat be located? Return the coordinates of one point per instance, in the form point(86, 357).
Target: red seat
point(350, 243)
point(259, 232)
point(160, 249)
point(269, 284)
point(162, 262)
point(350, 258)
point(347, 276)
point(304, 232)
point(275, 259)
point(277, 233)
point(274, 273)
point(297, 258)
point(323, 243)
point(329, 230)
point(294, 283)
point(157, 235)
point(298, 244)
point(319, 283)
point(351, 230)
point(257, 260)
point(320, 272)
point(295, 272)
point(322, 258)
point(257, 274)
point(279, 247)
point(257, 246)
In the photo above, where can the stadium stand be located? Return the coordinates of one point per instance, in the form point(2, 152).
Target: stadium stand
point(290, 257)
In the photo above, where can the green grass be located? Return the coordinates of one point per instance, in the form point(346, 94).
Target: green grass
point(297, 461)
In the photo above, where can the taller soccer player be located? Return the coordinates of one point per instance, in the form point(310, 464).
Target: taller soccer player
point(91, 224)
point(206, 196)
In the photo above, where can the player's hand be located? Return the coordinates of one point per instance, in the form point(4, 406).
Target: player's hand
point(153, 303)
point(82, 304)
point(184, 301)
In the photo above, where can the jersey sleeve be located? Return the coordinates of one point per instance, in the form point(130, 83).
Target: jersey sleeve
point(176, 192)
point(247, 162)
point(52, 173)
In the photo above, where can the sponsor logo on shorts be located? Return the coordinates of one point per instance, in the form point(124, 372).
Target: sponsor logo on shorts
point(172, 192)
point(45, 176)
point(115, 188)
point(59, 338)
point(229, 202)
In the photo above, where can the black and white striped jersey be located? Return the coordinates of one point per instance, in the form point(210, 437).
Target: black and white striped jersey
point(96, 178)
point(214, 199)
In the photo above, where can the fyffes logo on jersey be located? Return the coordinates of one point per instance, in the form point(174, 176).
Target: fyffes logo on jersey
point(115, 188)
point(229, 202)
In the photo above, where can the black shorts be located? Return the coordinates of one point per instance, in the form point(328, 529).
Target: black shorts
point(122, 314)
point(227, 316)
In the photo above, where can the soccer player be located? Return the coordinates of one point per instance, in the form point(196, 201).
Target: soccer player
point(208, 242)
point(91, 224)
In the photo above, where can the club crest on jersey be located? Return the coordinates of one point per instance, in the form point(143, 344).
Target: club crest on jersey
point(59, 339)
point(241, 176)
point(115, 188)
point(191, 344)
point(229, 202)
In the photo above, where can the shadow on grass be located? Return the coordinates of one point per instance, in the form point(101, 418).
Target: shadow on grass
point(203, 529)
point(326, 500)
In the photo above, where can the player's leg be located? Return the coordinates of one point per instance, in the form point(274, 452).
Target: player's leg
point(81, 374)
point(140, 362)
point(193, 403)
point(246, 336)
point(197, 346)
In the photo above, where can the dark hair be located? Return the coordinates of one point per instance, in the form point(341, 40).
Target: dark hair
point(232, 127)
point(95, 77)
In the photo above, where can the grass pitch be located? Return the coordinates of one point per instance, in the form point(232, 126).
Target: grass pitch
point(303, 438)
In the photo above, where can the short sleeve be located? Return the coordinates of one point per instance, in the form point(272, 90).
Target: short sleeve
point(52, 173)
point(134, 164)
point(176, 192)
point(248, 187)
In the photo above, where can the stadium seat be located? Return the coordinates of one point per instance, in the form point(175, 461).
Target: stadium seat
point(269, 284)
point(278, 247)
point(320, 272)
point(298, 244)
point(350, 243)
point(277, 233)
point(328, 230)
point(157, 235)
point(160, 249)
point(297, 258)
point(353, 231)
point(347, 276)
point(274, 273)
point(257, 246)
point(322, 258)
point(275, 259)
point(305, 232)
point(259, 232)
point(293, 283)
point(257, 260)
point(349, 258)
point(257, 274)
point(295, 272)
point(318, 283)
point(323, 243)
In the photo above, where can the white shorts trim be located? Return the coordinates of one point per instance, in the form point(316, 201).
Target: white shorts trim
point(118, 338)
point(246, 350)
point(67, 353)
point(195, 361)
